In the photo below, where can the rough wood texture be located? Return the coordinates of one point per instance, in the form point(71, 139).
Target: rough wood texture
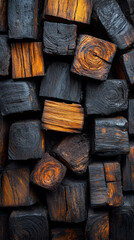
point(107, 97)
point(26, 140)
point(59, 38)
point(18, 97)
point(3, 15)
point(62, 117)
point(4, 56)
point(30, 224)
point(48, 173)
point(23, 19)
point(73, 151)
point(67, 234)
point(3, 226)
point(3, 141)
point(76, 11)
point(59, 84)
point(68, 203)
point(128, 65)
point(111, 136)
point(111, 16)
point(131, 9)
point(131, 117)
point(93, 57)
point(27, 59)
point(97, 226)
point(15, 188)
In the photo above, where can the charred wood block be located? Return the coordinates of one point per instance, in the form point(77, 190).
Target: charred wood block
point(131, 9)
point(131, 116)
point(3, 16)
point(48, 173)
point(23, 19)
point(73, 151)
point(97, 226)
point(112, 18)
point(93, 57)
point(27, 59)
point(112, 172)
point(115, 194)
point(60, 84)
point(4, 56)
point(26, 140)
point(75, 11)
point(59, 38)
point(68, 203)
point(67, 233)
point(15, 188)
point(128, 65)
point(3, 141)
point(107, 97)
point(111, 136)
point(18, 97)
point(30, 224)
point(62, 117)
point(4, 226)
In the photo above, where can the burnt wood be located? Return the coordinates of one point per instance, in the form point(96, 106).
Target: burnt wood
point(76, 11)
point(93, 57)
point(4, 225)
point(111, 136)
point(58, 83)
point(67, 233)
point(18, 97)
point(59, 38)
point(26, 140)
point(48, 173)
point(3, 16)
point(131, 9)
point(73, 151)
point(112, 18)
point(69, 202)
point(131, 117)
point(23, 19)
point(27, 59)
point(29, 224)
point(4, 56)
point(3, 141)
point(107, 97)
point(127, 60)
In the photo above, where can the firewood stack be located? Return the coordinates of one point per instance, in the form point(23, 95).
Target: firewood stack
point(66, 120)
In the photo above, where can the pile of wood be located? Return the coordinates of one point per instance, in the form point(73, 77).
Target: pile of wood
point(66, 120)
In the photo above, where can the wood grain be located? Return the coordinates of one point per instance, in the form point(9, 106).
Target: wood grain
point(67, 233)
point(131, 117)
point(3, 15)
point(3, 141)
point(127, 61)
point(4, 56)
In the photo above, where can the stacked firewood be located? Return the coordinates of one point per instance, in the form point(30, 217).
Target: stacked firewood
point(66, 120)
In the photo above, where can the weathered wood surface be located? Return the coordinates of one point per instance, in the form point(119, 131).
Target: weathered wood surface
point(3, 141)
point(75, 11)
point(69, 202)
point(58, 83)
point(131, 117)
point(107, 97)
point(112, 18)
point(18, 97)
point(48, 173)
point(59, 38)
point(27, 59)
point(111, 136)
point(23, 19)
point(97, 226)
point(66, 234)
point(30, 224)
point(93, 57)
point(128, 65)
point(26, 140)
point(73, 151)
point(4, 56)
point(3, 16)
point(131, 9)
point(4, 225)
point(62, 117)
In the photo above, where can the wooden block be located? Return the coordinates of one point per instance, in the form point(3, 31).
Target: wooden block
point(127, 61)
point(97, 226)
point(67, 233)
point(29, 224)
point(128, 170)
point(18, 97)
point(4, 55)
point(3, 141)
point(131, 9)
point(62, 117)
point(75, 11)
point(4, 225)
point(26, 140)
point(3, 15)
point(131, 117)
point(93, 57)
point(68, 203)
point(118, 28)
point(59, 38)
point(48, 173)
point(115, 194)
point(15, 188)
point(59, 84)
point(111, 136)
point(107, 97)
point(73, 151)
point(23, 19)
point(112, 172)
point(27, 59)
